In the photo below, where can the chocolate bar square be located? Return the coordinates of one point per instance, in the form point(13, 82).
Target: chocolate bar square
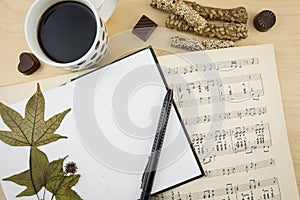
point(144, 28)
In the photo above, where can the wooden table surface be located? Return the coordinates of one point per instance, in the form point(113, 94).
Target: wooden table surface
point(285, 36)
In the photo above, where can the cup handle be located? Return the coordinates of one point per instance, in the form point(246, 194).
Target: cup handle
point(105, 7)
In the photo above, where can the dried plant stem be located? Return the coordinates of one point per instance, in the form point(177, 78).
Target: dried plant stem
point(31, 175)
point(44, 195)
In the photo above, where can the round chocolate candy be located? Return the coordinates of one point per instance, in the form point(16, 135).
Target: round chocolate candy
point(264, 20)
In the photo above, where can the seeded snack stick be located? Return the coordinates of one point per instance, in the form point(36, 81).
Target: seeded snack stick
point(180, 8)
point(238, 14)
point(229, 31)
point(163, 5)
point(192, 44)
point(186, 43)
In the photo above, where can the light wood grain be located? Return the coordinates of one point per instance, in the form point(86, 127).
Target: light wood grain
point(285, 36)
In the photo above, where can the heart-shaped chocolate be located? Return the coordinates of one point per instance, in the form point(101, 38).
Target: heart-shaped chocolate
point(28, 63)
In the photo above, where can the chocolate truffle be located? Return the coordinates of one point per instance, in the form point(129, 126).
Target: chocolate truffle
point(28, 63)
point(264, 20)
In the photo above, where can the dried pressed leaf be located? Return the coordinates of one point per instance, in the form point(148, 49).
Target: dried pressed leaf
point(34, 115)
point(35, 178)
point(60, 186)
point(56, 168)
point(47, 135)
point(24, 179)
point(32, 130)
point(68, 195)
point(17, 136)
point(13, 138)
point(40, 174)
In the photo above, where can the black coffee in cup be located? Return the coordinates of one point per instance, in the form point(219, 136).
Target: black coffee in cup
point(66, 31)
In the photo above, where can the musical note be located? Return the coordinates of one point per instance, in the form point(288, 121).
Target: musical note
point(218, 66)
point(229, 89)
point(231, 170)
point(253, 190)
point(247, 112)
point(246, 139)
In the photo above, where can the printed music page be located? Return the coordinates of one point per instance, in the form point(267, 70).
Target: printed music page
point(231, 105)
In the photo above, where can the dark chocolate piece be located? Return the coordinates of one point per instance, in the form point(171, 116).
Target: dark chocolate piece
point(264, 20)
point(144, 28)
point(28, 63)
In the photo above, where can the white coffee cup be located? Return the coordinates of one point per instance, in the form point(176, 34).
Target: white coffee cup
point(99, 46)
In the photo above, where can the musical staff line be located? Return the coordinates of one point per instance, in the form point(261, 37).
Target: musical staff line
point(228, 89)
point(216, 82)
point(218, 66)
point(247, 112)
point(240, 168)
point(234, 97)
point(253, 190)
point(231, 141)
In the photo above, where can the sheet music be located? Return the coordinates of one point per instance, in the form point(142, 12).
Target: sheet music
point(231, 105)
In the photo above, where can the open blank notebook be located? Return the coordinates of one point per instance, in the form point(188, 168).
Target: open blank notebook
point(110, 130)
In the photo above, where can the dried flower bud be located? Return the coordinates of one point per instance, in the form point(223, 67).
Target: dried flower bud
point(71, 168)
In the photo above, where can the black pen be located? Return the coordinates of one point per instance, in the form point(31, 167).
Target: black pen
point(150, 170)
